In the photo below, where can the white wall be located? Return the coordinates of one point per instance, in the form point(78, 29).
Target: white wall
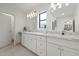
point(18, 17)
point(32, 24)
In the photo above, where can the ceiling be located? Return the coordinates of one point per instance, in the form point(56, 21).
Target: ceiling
point(28, 7)
point(65, 10)
point(25, 7)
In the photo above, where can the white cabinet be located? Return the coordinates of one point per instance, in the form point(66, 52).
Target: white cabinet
point(32, 42)
point(35, 43)
point(60, 47)
point(29, 41)
point(53, 50)
point(50, 46)
point(25, 40)
point(69, 52)
point(41, 45)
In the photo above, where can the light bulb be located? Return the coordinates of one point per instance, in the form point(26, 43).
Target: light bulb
point(27, 15)
point(67, 4)
point(33, 14)
point(60, 6)
point(54, 8)
point(52, 5)
point(62, 14)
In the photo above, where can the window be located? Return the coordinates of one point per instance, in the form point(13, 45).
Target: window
point(42, 20)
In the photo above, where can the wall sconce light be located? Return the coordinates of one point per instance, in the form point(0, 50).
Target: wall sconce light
point(32, 14)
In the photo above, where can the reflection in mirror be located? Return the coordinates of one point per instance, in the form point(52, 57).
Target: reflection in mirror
point(64, 14)
point(54, 24)
point(68, 25)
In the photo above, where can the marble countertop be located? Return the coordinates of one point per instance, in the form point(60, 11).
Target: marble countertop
point(36, 33)
point(65, 37)
point(59, 36)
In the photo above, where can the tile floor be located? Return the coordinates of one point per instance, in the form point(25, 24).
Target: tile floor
point(17, 50)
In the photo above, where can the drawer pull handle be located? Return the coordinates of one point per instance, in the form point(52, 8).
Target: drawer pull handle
point(62, 49)
point(40, 44)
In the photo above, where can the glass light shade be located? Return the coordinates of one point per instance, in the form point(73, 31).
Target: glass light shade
point(32, 14)
point(54, 8)
point(60, 6)
point(67, 4)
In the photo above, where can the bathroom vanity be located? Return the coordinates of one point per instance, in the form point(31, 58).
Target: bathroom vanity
point(53, 43)
point(48, 44)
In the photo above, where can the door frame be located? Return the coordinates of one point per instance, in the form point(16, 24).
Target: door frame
point(12, 26)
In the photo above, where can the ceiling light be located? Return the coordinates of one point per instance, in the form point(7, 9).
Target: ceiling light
point(62, 14)
point(54, 8)
point(67, 4)
point(60, 6)
point(54, 5)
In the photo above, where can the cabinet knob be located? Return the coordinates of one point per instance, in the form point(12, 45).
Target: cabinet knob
point(40, 38)
point(40, 52)
point(58, 48)
point(40, 44)
point(62, 49)
point(30, 39)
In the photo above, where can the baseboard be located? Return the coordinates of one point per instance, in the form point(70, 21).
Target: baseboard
point(5, 46)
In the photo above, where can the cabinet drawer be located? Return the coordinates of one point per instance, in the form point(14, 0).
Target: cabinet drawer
point(41, 44)
point(64, 42)
point(70, 44)
point(42, 52)
point(43, 38)
point(53, 40)
point(69, 52)
point(53, 50)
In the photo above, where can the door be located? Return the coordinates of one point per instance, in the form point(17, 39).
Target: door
point(53, 50)
point(5, 30)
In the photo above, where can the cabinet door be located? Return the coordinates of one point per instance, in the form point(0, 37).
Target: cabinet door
point(69, 52)
point(29, 41)
point(25, 40)
point(41, 46)
point(33, 42)
point(52, 50)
